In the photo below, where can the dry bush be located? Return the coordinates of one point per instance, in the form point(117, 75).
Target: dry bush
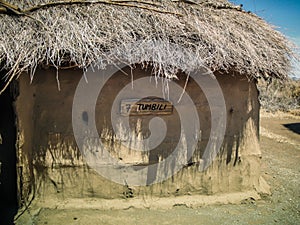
point(280, 95)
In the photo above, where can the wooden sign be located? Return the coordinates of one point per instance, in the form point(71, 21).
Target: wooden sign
point(146, 106)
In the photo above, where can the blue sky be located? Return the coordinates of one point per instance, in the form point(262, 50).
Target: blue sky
point(284, 14)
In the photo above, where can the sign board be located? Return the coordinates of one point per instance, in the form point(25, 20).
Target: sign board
point(146, 106)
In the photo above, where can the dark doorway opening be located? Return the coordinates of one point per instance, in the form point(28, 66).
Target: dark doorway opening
point(8, 159)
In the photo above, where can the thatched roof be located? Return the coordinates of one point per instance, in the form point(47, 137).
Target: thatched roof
point(174, 34)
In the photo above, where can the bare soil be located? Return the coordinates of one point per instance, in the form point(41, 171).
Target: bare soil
point(280, 145)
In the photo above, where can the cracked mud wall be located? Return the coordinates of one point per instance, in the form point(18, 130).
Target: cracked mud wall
point(50, 164)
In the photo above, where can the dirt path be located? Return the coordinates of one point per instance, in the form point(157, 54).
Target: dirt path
point(280, 146)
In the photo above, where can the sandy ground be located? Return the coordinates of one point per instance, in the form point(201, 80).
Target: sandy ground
point(280, 145)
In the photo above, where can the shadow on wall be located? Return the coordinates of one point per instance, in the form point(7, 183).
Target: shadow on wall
point(295, 127)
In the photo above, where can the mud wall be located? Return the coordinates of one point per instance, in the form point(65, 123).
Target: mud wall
point(50, 164)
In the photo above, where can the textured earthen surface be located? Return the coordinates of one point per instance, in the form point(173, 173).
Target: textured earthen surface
point(52, 167)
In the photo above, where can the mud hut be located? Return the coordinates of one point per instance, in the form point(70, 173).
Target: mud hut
point(47, 47)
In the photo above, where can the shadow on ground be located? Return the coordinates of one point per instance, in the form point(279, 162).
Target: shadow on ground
point(295, 127)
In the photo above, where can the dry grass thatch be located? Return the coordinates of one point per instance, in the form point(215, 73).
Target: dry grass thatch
point(174, 34)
